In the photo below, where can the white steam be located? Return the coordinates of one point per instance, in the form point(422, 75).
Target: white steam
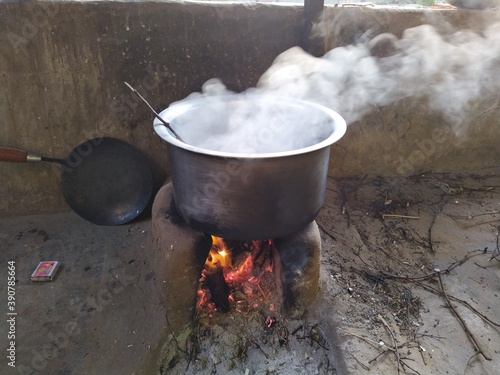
point(452, 72)
point(250, 123)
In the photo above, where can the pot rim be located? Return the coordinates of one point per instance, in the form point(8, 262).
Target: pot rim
point(181, 107)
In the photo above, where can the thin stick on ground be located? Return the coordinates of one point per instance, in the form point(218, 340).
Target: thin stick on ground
point(434, 217)
point(378, 356)
point(477, 347)
point(346, 190)
point(453, 298)
point(429, 276)
point(496, 252)
point(486, 111)
point(395, 216)
point(326, 232)
point(418, 280)
point(421, 351)
point(394, 342)
point(371, 342)
point(486, 214)
point(260, 348)
point(359, 362)
point(173, 335)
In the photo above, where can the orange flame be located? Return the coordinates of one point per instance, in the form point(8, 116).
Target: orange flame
point(219, 256)
point(243, 278)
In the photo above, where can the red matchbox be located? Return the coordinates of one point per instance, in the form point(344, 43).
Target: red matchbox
point(45, 271)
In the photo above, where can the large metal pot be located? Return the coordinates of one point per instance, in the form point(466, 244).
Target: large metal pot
point(261, 193)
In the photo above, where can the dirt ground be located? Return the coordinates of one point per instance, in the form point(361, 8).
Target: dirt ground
point(390, 247)
point(392, 265)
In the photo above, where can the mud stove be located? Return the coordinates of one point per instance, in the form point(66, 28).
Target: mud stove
point(181, 255)
point(235, 229)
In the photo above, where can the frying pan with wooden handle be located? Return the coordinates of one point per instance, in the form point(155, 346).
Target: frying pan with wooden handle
point(104, 180)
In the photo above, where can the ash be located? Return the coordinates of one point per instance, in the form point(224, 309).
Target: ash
point(254, 336)
point(235, 343)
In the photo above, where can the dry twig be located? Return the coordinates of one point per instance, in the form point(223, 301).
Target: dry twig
point(259, 347)
point(481, 189)
point(173, 335)
point(496, 252)
point(429, 335)
point(453, 298)
point(378, 356)
point(486, 213)
point(394, 342)
point(359, 362)
point(418, 280)
point(326, 232)
point(453, 265)
point(486, 111)
point(369, 341)
point(421, 351)
point(477, 347)
point(445, 187)
point(434, 217)
point(391, 216)
point(347, 190)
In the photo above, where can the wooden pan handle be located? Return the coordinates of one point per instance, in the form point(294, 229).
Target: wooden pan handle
point(16, 155)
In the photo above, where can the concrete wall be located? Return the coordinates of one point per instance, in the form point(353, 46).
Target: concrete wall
point(408, 137)
point(63, 64)
point(62, 67)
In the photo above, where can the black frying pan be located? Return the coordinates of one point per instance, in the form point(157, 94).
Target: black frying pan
point(104, 180)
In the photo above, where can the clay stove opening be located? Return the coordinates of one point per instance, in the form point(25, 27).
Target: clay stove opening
point(275, 277)
point(249, 276)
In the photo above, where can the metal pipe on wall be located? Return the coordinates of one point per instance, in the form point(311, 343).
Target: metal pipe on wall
point(312, 11)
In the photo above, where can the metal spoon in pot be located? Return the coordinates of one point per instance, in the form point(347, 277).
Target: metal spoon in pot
point(155, 113)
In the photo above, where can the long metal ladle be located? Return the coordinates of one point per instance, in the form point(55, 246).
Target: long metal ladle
point(155, 113)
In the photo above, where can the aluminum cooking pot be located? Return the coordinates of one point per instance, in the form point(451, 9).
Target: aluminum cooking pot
point(252, 167)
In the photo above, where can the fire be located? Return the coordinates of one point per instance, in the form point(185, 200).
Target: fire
point(219, 256)
point(236, 276)
point(240, 273)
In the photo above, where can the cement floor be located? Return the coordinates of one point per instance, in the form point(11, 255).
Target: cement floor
point(100, 315)
point(95, 317)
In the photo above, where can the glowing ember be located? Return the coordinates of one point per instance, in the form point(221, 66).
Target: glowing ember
point(239, 277)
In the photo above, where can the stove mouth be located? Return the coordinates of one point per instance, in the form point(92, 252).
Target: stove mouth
point(241, 276)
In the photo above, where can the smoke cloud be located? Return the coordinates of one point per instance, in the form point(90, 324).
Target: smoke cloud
point(251, 123)
point(450, 71)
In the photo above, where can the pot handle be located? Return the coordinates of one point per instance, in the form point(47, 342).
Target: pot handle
point(17, 155)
